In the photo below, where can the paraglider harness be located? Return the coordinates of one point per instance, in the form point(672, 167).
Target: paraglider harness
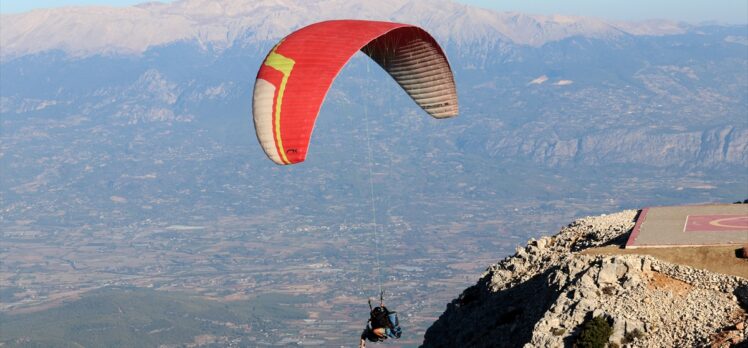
point(381, 317)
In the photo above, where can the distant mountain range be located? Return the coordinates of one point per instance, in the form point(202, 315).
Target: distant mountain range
point(550, 91)
point(657, 92)
point(86, 31)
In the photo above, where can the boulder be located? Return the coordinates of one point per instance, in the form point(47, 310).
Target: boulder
point(608, 274)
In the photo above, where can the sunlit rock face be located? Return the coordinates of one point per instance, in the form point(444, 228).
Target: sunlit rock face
point(541, 296)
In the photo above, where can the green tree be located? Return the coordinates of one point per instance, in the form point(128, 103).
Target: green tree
point(595, 333)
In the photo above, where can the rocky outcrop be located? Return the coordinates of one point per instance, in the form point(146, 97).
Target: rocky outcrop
point(723, 145)
point(540, 296)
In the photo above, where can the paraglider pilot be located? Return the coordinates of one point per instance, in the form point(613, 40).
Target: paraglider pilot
point(382, 324)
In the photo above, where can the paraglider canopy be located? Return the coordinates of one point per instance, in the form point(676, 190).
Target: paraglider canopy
point(297, 73)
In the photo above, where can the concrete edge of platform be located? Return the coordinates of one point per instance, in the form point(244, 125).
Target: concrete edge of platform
point(664, 246)
point(637, 228)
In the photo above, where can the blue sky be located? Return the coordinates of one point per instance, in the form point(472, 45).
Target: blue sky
point(726, 11)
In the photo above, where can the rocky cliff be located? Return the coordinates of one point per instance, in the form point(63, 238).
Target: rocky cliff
point(541, 296)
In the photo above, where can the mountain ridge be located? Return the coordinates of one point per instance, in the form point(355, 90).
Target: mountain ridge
point(86, 31)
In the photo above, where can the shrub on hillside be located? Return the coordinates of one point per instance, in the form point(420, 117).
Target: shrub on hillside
point(556, 331)
point(632, 336)
point(595, 333)
point(609, 290)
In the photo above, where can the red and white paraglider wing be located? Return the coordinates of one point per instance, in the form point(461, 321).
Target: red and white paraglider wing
point(297, 73)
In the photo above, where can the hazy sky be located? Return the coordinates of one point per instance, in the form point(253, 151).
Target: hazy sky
point(726, 11)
